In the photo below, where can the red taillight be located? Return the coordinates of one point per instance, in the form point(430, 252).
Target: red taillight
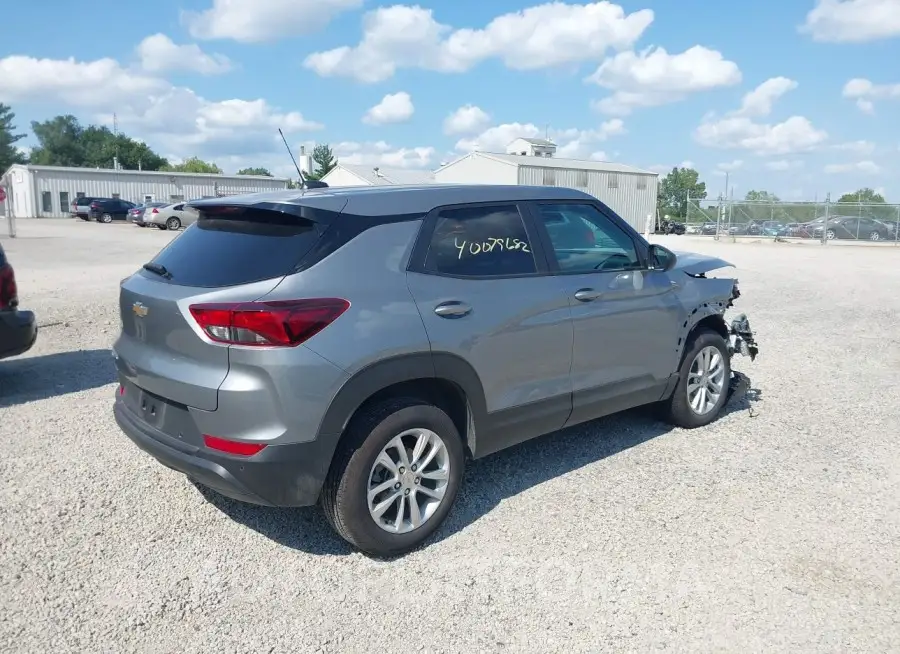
point(232, 447)
point(9, 292)
point(94, 205)
point(283, 323)
point(155, 210)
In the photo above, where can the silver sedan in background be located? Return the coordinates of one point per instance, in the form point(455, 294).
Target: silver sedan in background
point(172, 216)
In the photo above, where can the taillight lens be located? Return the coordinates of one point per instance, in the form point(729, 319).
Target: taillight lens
point(94, 205)
point(155, 210)
point(282, 323)
point(9, 293)
point(232, 447)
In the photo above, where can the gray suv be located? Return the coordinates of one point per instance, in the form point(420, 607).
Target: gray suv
point(352, 347)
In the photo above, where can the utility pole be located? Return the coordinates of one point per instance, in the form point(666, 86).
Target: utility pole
point(115, 142)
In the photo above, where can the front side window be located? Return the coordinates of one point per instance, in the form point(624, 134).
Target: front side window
point(584, 240)
point(480, 242)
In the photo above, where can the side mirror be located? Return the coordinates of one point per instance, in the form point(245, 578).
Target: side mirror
point(659, 258)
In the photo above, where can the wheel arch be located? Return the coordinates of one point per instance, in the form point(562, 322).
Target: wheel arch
point(443, 379)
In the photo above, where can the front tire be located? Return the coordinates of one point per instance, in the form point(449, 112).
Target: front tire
point(703, 380)
point(394, 477)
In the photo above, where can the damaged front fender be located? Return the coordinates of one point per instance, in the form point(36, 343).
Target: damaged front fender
point(707, 298)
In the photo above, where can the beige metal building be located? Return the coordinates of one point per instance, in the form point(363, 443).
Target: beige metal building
point(629, 191)
point(359, 175)
point(47, 191)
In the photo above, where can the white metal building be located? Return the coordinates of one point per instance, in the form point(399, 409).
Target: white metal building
point(630, 192)
point(359, 175)
point(47, 191)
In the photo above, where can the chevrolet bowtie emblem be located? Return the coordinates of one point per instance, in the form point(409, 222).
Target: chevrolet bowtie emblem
point(140, 310)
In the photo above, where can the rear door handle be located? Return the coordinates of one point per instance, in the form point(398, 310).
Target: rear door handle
point(587, 294)
point(453, 309)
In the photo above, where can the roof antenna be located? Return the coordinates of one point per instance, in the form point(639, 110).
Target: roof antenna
point(304, 181)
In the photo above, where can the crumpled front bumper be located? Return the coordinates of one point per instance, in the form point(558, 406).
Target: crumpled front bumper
point(741, 339)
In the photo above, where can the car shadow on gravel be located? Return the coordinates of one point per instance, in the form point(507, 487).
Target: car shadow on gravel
point(487, 481)
point(33, 378)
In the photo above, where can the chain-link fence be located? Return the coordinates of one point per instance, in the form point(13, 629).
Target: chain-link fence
point(824, 221)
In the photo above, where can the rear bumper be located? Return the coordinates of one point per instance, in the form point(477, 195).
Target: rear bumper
point(18, 332)
point(280, 475)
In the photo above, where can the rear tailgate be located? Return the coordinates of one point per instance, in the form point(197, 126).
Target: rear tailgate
point(236, 256)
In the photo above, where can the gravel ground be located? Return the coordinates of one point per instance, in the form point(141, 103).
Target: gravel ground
point(774, 529)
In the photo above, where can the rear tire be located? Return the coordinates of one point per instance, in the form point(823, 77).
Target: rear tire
point(345, 495)
point(162, 227)
point(173, 223)
point(105, 219)
point(678, 409)
point(85, 218)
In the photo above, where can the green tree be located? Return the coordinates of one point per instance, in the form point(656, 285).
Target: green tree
point(63, 141)
point(862, 196)
point(102, 148)
point(9, 153)
point(255, 171)
point(761, 196)
point(194, 165)
point(59, 142)
point(674, 190)
point(323, 161)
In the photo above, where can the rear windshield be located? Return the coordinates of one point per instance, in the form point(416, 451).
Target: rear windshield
point(256, 245)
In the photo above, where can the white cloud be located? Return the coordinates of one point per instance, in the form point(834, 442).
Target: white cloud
point(737, 130)
point(571, 143)
point(79, 83)
point(857, 147)
point(852, 21)
point(170, 119)
point(259, 21)
point(653, 77)
point(158, 53)
point(865, 91)
point(796, 134)
point(468, 119)
point(868, 167)
point(783, 165)
point(538, 37)
point(730, 166)
point(664, 169)
point(393, 108)
point(381, 153)
point(760, 100)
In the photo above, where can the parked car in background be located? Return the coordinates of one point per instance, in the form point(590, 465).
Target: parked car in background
point(892, 228)
point(171, 216)
point(852, 227)
point(353, 347)
point(771, 228)
point(81, 207)
point(103, 210)
point(709, 228)
point(18, 328)
point(137, 214)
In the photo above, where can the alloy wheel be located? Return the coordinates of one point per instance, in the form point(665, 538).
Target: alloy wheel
point(706, 380)
point(408, 481)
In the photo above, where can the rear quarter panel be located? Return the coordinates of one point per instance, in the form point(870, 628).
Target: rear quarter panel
point(369, 272)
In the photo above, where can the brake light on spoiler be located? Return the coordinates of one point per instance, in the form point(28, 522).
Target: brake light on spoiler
point(283, 323)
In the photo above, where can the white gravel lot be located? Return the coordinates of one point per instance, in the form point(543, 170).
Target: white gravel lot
point(775, 529)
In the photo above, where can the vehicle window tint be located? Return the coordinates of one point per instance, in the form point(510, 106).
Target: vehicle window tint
point(584, 240)
point(219, 251)
point(479, 242)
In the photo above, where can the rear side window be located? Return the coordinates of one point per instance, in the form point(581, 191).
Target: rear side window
point(253, 245)
point(480, 242)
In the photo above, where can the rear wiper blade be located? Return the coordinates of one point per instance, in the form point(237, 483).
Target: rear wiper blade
point(159, 269)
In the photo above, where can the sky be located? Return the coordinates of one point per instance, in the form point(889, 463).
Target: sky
point(796, 97)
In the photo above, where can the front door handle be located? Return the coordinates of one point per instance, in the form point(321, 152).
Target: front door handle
point(587, 294)
point(453, 309)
